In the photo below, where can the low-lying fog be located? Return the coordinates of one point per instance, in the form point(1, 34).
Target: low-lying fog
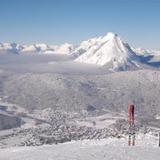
point(37, 63)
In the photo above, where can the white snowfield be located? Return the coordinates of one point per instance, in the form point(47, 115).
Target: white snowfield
point(105, 149)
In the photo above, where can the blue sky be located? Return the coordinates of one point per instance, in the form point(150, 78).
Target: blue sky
point(59, 21)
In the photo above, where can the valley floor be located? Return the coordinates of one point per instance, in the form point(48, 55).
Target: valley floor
point(106, 149)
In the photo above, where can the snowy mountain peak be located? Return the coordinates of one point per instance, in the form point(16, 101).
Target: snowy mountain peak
point(110, 35)
point(109, 49)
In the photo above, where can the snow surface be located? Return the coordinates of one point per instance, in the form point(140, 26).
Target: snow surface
point(110, 149)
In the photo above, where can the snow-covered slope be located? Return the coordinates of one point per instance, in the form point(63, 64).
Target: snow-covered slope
point(79, 92)
point(106, 149)
point(109, 49)
point(85, 46)
point(153, 56)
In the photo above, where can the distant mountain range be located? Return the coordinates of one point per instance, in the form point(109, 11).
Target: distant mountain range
point(108, 50)
point(36, 48)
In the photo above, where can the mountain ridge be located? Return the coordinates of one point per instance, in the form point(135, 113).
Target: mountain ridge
point(108, 50)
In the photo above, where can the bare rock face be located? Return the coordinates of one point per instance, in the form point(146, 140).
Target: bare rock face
point(8, 122)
